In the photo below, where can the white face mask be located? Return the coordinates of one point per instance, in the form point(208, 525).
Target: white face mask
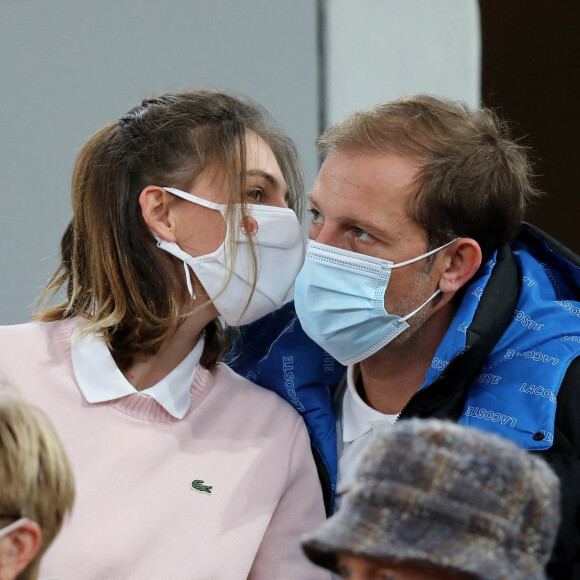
point(279, 246)
point(13, 526)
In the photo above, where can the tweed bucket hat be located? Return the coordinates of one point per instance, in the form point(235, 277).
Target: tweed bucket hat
point(437, 494)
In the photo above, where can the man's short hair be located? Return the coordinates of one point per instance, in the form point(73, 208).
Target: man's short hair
point(36, 480)
point(474, 181)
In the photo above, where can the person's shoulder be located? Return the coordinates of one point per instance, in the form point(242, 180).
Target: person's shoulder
point(34, 329)
point(35, 338)
point(244, 391)
point(24, 331)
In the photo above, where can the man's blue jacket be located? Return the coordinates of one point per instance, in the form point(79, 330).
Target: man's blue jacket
point(509, 364)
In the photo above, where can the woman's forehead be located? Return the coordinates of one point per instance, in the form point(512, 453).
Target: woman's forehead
point(261, 158)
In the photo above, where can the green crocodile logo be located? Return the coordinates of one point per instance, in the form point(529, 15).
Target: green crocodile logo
point(199, 485)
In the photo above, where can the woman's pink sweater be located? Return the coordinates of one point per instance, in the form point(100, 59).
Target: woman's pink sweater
point(224, 493)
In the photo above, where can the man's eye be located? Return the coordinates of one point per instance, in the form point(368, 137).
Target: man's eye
point(317, 217)
point(256, 194)
point(362, 235)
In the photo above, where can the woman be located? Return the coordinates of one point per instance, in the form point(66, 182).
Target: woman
point(183, 469)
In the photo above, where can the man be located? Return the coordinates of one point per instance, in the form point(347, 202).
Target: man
point(422, 279)
point(438, 501)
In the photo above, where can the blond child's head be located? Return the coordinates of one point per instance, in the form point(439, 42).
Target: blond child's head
point(36, 487)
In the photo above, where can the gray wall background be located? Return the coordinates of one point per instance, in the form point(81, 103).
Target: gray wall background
point(67, 67)
point(70, 66)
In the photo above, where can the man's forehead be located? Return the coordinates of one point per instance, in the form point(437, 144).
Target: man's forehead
point(346, 177)
point(368, 170)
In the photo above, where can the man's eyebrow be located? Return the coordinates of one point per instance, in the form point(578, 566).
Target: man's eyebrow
point(370, 227)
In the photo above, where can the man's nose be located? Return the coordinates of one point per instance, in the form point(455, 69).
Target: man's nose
point(324, 235)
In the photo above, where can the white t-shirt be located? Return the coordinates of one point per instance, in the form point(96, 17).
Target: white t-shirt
point(357, 425)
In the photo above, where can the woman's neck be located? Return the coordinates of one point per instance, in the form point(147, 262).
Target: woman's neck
point(146, 371)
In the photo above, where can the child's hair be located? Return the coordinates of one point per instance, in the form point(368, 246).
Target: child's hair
point(36, 480)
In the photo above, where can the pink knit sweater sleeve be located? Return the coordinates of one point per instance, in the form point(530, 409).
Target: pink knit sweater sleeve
point(300, 510)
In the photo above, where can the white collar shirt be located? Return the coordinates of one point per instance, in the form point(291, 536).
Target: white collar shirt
point(359, 423)
point(100, 379)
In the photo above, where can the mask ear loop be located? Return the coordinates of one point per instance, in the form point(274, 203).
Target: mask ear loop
point(188, 281)
point(438, 291)
point(422, 256)
point(199, 201)
point(404, 318)
point(13, 526)
point(162, 244)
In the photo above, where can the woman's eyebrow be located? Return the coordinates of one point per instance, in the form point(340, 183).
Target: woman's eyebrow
point(268, 176)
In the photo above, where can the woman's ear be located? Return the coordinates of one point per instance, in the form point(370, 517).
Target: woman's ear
point(19, 548)
point(462, 260)
point(155, 204)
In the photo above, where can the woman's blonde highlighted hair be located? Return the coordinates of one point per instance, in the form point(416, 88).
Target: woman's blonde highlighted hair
point(132, 293)
point(36, 480)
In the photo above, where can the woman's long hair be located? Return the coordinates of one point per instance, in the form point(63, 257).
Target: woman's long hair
point(132, 293)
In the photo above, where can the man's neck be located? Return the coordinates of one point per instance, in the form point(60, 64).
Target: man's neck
point(392, 376)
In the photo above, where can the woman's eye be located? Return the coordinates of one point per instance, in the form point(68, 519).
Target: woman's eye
point(256, 194)
point(317, 217)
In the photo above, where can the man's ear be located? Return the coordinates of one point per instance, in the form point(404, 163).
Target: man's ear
point(462, 259)
point(155, 203)
point(18, 549)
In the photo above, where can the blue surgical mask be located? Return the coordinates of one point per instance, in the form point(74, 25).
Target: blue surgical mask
point(340, 301)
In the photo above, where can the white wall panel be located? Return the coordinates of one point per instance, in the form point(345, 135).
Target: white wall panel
point(378, 50)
